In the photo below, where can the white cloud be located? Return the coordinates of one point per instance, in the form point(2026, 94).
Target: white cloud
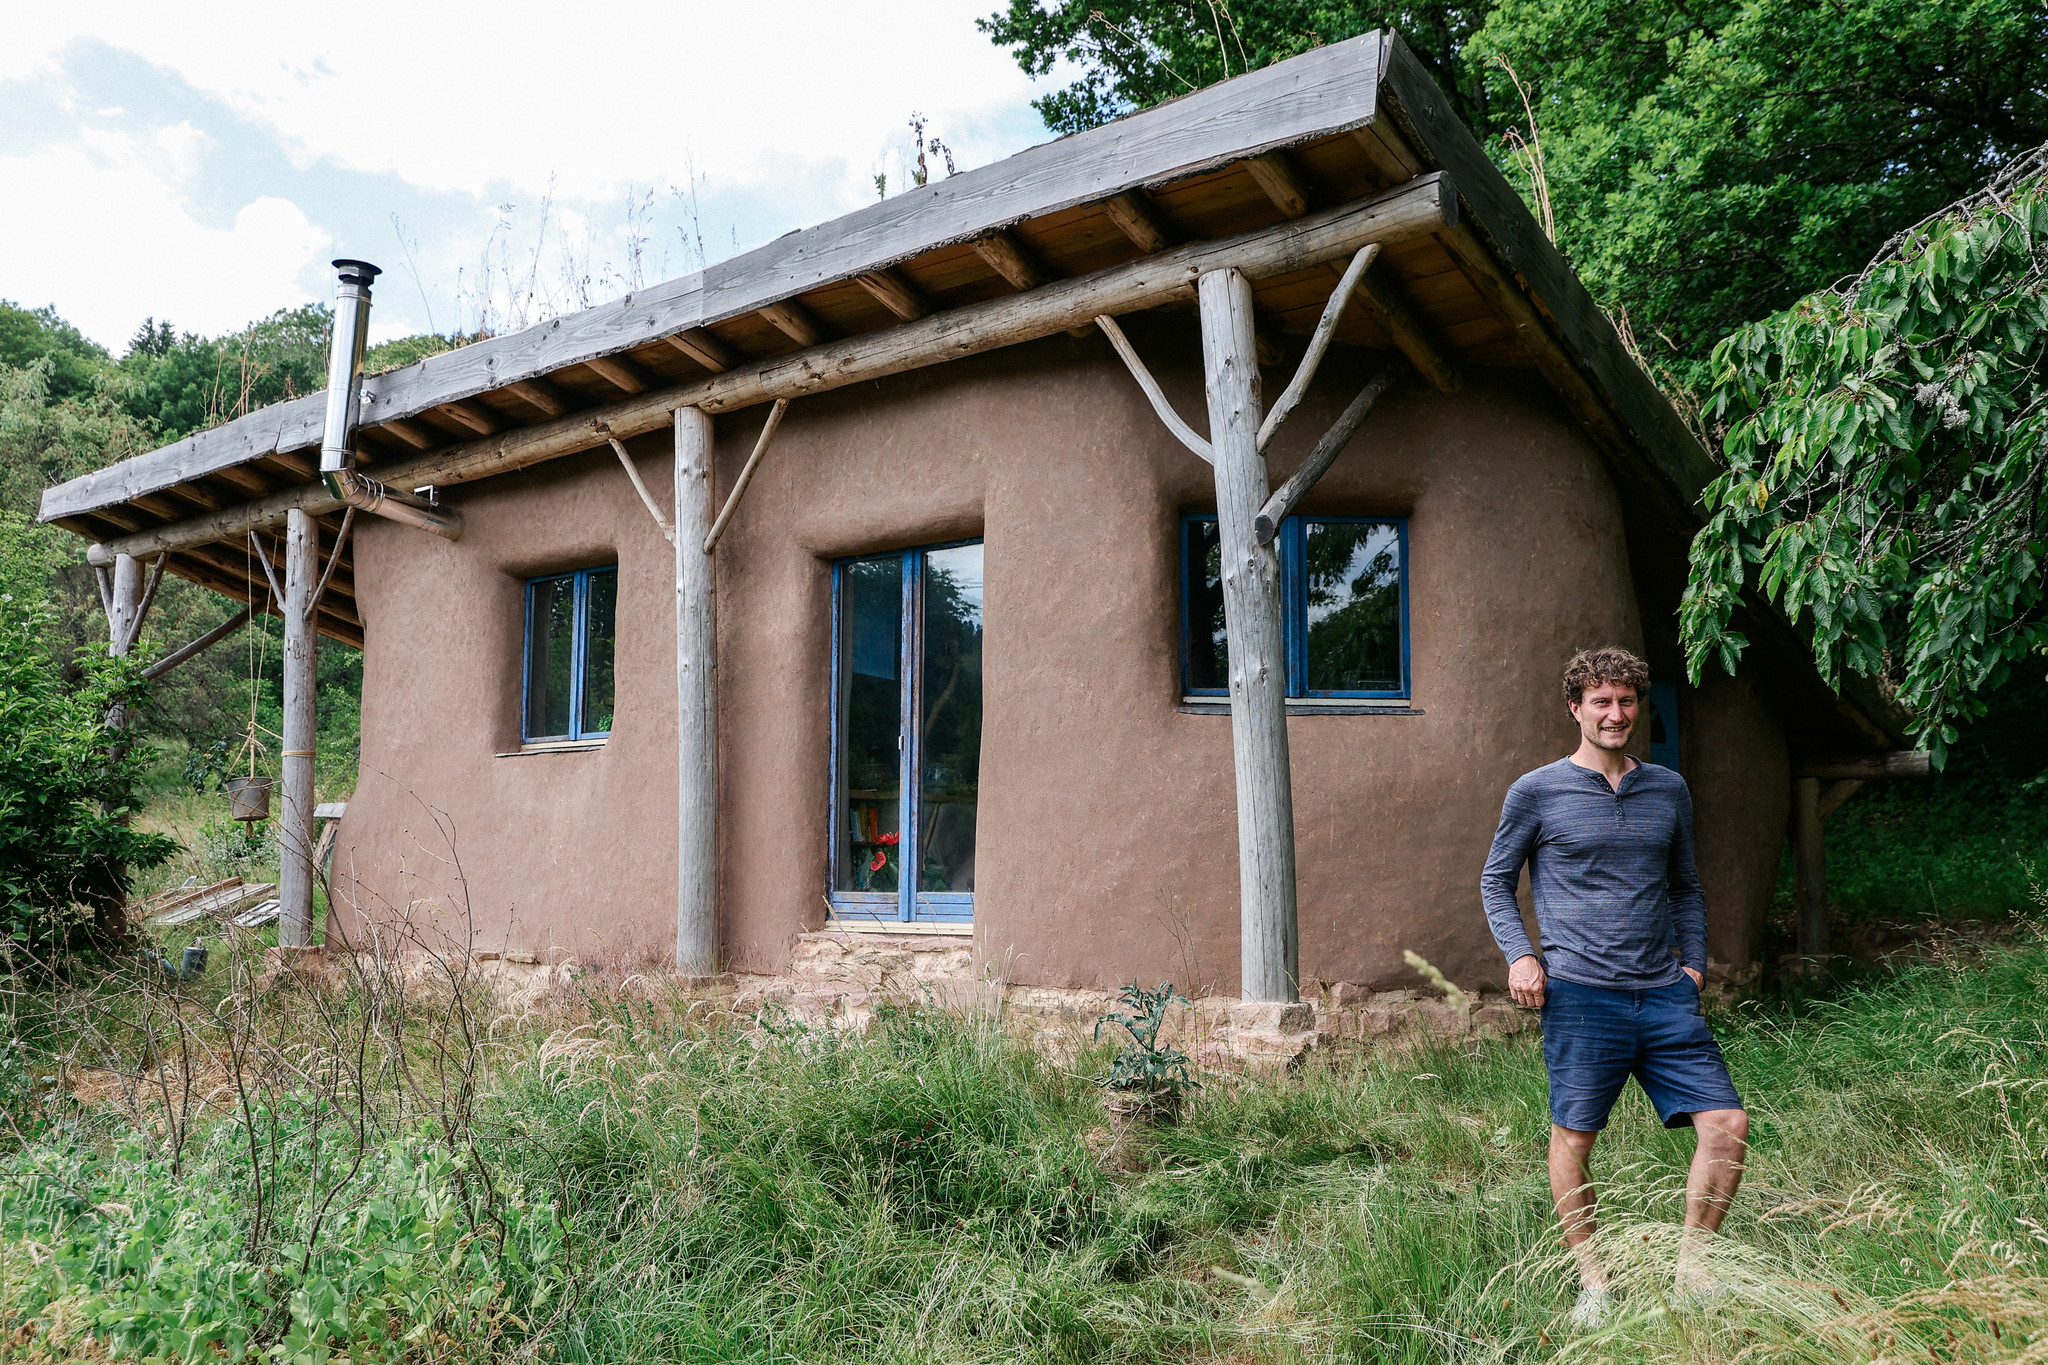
point(466, 97)
point(113, 228)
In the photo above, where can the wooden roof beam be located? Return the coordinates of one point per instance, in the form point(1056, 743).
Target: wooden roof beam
point(796, 322)
point(543, 394)
point(1008, 257)
point(1138, 218)
point(1412, 334)
point(623, 372)
point(473, 416)
point(1425, 207)
point(706, 348)
point(410, 432)
point(1283, 183)
point(895, 293)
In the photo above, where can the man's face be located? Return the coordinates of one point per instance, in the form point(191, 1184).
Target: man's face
point(1606, 714)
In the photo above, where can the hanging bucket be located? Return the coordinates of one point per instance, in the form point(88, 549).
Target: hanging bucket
point(248, 798)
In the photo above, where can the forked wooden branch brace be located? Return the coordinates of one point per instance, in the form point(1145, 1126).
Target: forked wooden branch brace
point(1267, 524)
point(668, 530)
point(739, 487)
point(200, 645)
point(1181, 430)
point(263, 558)
point(1318, 344)
point(156, 578)
point(348, 519)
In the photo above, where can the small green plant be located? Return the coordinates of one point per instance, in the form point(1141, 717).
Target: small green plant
point(1143, 1064)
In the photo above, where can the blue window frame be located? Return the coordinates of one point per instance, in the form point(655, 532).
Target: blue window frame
point(1343, 607)
point(906, 734)
point(568, 688)
point(1663, 720)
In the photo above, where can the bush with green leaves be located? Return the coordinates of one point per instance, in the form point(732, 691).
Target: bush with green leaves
point(67, 788)
point(1887, 463)
point(153, 1261)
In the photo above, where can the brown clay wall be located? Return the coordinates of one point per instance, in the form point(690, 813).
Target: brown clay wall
point(1106, 840)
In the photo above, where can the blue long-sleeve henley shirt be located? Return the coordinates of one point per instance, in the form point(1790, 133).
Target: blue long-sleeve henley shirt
point(1612, 872)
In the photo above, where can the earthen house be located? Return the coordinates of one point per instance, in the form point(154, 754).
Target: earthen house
point(968, 593)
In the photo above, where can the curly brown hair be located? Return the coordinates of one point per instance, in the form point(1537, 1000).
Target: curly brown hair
point(1592, 667)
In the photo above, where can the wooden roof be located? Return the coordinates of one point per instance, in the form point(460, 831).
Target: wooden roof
point(1335, 125)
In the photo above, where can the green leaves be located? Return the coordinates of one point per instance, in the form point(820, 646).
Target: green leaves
point(1887, 448)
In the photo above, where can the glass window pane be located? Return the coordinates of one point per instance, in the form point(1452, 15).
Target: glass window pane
point(1352, 570)
point(600, 626)
point(950, 734)
point(550, 632)
point(871, 698)
point(1208, 649)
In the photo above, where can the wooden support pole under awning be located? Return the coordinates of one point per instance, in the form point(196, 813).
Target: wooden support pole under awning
point(1841, 776)
point(696, 702)
point(295, 816)
point(1269, 943)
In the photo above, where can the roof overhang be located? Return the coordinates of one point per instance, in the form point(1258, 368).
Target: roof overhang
point(1349, 128)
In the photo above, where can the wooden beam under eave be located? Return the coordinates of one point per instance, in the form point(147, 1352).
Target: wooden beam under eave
point(1865, 767)
point(472, 415)
point(244, 478)
point(623, 373)
point(409, 432)
point(1138, 218)
point(542, 394)
point(895, 293)
point(1004, 254)
point(1410, 332)
point(1388, 152)
point(198, 495)
point(707, 348)
point(796, 322)
point(1282, 183)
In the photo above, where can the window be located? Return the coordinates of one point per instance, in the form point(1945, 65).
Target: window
point(1343, 607)
point(1663, 710)
point(906, 734)
point(571, 620)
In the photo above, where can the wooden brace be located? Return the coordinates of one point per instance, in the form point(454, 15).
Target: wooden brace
point(668, 530)
point(1284, 499)
point(739, 487)
point(1180, 429)
point(1318, 345)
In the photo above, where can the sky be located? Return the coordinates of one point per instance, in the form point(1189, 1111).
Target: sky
point(202, 163)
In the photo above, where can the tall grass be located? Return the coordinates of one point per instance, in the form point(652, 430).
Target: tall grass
point(733, 1189)
point(935, 1191)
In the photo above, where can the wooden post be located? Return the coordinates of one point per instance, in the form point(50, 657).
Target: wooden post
point(1809, 869)
point(696, 703)
point(295, 813)
point(1258, 670)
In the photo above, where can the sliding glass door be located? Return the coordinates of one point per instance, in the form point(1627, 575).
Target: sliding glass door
point(906, 734)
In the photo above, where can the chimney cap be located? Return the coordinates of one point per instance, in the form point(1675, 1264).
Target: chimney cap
point(357, 272)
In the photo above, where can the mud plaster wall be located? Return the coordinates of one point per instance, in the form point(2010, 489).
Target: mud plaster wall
point(1106, 828)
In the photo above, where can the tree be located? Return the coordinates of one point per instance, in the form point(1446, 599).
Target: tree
point(1707, 162)
point(195, 382)
point(70, 361)
point(1887, 452)
point(66, 845)
point(1135, 53)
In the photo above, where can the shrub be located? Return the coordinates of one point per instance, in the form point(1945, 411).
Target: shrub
point(66, 790)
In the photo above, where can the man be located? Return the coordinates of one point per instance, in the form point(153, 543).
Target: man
point(1608, 843)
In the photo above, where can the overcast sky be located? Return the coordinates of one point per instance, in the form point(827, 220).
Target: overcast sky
point(202, 163)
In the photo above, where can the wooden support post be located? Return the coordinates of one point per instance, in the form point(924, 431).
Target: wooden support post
point(200, 645)
point(1809, 869)
point(295, 816)
point(121, 593)
point(1258, 673)
point(696, 703)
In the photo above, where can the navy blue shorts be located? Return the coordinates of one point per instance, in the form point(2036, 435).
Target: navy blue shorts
point(1595, 1038)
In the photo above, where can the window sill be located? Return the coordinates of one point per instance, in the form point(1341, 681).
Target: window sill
point(956, 929)
point(1308, 706)
point(563, 746)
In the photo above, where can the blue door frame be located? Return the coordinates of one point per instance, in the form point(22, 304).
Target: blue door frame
point(906, 904)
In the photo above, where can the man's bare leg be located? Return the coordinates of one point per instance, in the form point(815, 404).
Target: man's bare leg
point(1717, 1165)
point(1571, 1189)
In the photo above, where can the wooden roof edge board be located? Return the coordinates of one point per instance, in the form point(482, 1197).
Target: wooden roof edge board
point(1425, 205)
point(1324, 92)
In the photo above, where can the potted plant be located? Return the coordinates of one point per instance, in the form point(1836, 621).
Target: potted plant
point(1145, 1081)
